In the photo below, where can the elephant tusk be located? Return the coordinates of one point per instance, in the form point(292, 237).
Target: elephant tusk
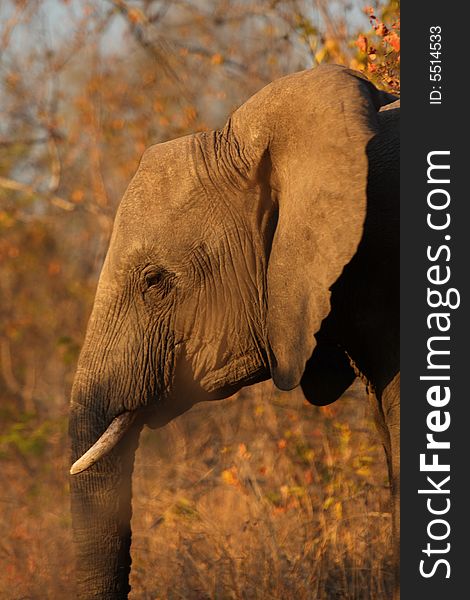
point(105, 443)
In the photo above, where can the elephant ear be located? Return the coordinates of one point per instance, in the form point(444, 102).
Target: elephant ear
point(316, 126)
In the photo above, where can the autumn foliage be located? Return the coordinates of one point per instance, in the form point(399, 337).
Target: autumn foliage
point(380, 48)
point(260, 497)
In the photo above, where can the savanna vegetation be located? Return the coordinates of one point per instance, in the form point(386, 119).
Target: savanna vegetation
point(260, 496)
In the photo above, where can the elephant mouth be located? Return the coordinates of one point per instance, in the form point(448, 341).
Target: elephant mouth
point(246, 369)
point(241, 371)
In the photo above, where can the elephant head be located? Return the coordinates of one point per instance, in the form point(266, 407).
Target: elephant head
point(223, 252)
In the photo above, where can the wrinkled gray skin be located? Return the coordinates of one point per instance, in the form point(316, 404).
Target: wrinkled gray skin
point(218, 275)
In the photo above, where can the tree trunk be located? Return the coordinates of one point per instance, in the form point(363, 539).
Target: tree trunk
point(101, 506)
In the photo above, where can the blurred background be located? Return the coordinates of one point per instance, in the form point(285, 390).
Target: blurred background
point(259, 496)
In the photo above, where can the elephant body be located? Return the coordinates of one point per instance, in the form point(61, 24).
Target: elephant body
point(266, 249)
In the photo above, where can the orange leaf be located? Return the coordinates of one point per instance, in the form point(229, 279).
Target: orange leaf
point(229, 476)
point(361, 43)
point(54, 267)
point(135, 15)
point(217, 59)
point(77, 195)
point(381, 30)
point(394, 41)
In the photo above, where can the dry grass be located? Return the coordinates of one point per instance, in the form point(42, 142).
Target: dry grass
point(257, 497)
point(263, 496)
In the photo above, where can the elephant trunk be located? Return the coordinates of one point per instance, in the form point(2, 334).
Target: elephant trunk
point(101, 504)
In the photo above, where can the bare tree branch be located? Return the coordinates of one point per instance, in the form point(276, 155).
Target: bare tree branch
point(24, 142)
point(17, 186)
point(160, 49)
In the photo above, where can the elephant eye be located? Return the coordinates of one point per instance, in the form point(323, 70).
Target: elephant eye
point(153, 279)
point(156, 278)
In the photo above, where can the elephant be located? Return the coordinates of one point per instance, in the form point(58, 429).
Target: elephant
point(266, 249)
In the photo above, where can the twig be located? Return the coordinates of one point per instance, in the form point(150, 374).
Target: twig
point(160, 49)
point(25, 142)
point(17, 186)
